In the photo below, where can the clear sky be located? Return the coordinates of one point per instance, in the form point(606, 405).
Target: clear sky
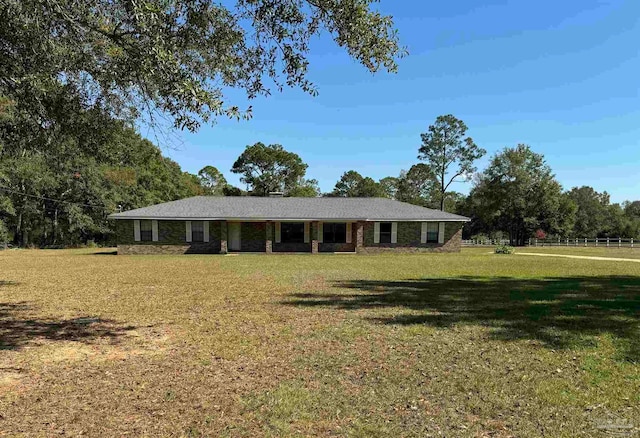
point(561, 76)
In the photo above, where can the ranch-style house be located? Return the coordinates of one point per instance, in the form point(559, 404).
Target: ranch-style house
point(220, 225)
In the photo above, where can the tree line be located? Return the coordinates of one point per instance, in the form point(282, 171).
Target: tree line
point(61, 194)
point(516, 197)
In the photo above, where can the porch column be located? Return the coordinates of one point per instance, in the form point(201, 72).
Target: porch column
point(314, 237)
point(269, 237)
point(223, 237)
point(360, 236)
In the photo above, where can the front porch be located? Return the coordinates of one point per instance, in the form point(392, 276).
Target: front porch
point(291, 237)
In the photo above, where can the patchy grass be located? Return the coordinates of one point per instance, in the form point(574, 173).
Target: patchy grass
point(470, 344)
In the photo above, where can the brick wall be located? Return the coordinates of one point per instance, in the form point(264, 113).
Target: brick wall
point(409, 239)
point(172, 239)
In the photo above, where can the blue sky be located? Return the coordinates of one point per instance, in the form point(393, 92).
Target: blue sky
point(561, 76)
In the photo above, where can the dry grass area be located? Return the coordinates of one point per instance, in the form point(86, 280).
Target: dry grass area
point(469, 345)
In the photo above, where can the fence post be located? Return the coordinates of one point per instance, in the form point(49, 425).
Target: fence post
point(632, 242)
point(536, 241)
point(585, 242)
point(607, 241)
point(619, 242)
point(596, 240)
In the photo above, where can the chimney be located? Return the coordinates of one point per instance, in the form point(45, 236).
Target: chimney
point(276, 195)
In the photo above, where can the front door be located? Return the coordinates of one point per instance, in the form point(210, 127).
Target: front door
point(234, 236)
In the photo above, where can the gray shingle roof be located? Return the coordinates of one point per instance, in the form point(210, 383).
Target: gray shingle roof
point(254, 208)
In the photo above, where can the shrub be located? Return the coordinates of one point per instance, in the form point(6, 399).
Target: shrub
point(540, 234)
point(504, 249)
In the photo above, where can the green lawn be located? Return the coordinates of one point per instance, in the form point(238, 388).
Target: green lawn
point(471, 344)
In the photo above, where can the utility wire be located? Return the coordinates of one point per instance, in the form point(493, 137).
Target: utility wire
point(7, 189)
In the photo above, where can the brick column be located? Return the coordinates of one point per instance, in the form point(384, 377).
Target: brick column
point(269, 237)
point(360, 236)
point(314, 237)
point(223, 237)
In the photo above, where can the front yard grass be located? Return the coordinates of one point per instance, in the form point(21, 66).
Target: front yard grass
point(471, 344)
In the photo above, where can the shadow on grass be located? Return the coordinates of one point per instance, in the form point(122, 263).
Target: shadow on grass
point(104, 253)
point(559, 312)
point(17, 329)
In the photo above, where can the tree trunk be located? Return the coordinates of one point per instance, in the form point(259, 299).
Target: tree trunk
point(55, 227)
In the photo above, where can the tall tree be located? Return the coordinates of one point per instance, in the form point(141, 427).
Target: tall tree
point(448, 153)
point(354, 185)
point(269, 169)
point(519, 194)
point(591, 213)
point(212, 181)
point(177, 57)
point(347, 185)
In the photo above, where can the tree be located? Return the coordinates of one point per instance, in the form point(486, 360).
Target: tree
point(417, 186)
point(354, 185)
point(632, 209)
point(269, 169)
point(518, 193)
point(306, 188)
point(347, 186)
point(61, 180)
point(176, 57)
point(368, 188)
point(591, 213)
point(212, 181)
point(389, 186)
point(230, 190)
point(443, 147)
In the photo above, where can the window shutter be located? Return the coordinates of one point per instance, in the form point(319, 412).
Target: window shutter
point(306, 232)
point(188, 230)
point(394, 232)
point(320, 232)
point(278, 233)
point(154, 231)
point(441, 232)
point(136, 230)
point(349, 231)
point(423, 233)
point(205, 234)
point(376, 232)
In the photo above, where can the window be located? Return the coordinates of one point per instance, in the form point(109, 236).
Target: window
point(334, 233)
point(197, 231)
point(385, 232)
point(146, 233)
point(432, 232)
point(292, 232)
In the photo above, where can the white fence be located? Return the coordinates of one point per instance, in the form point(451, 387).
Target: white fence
point(605, 242)
point(485, 242)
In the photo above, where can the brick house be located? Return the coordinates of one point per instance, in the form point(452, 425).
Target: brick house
point(218, 225)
